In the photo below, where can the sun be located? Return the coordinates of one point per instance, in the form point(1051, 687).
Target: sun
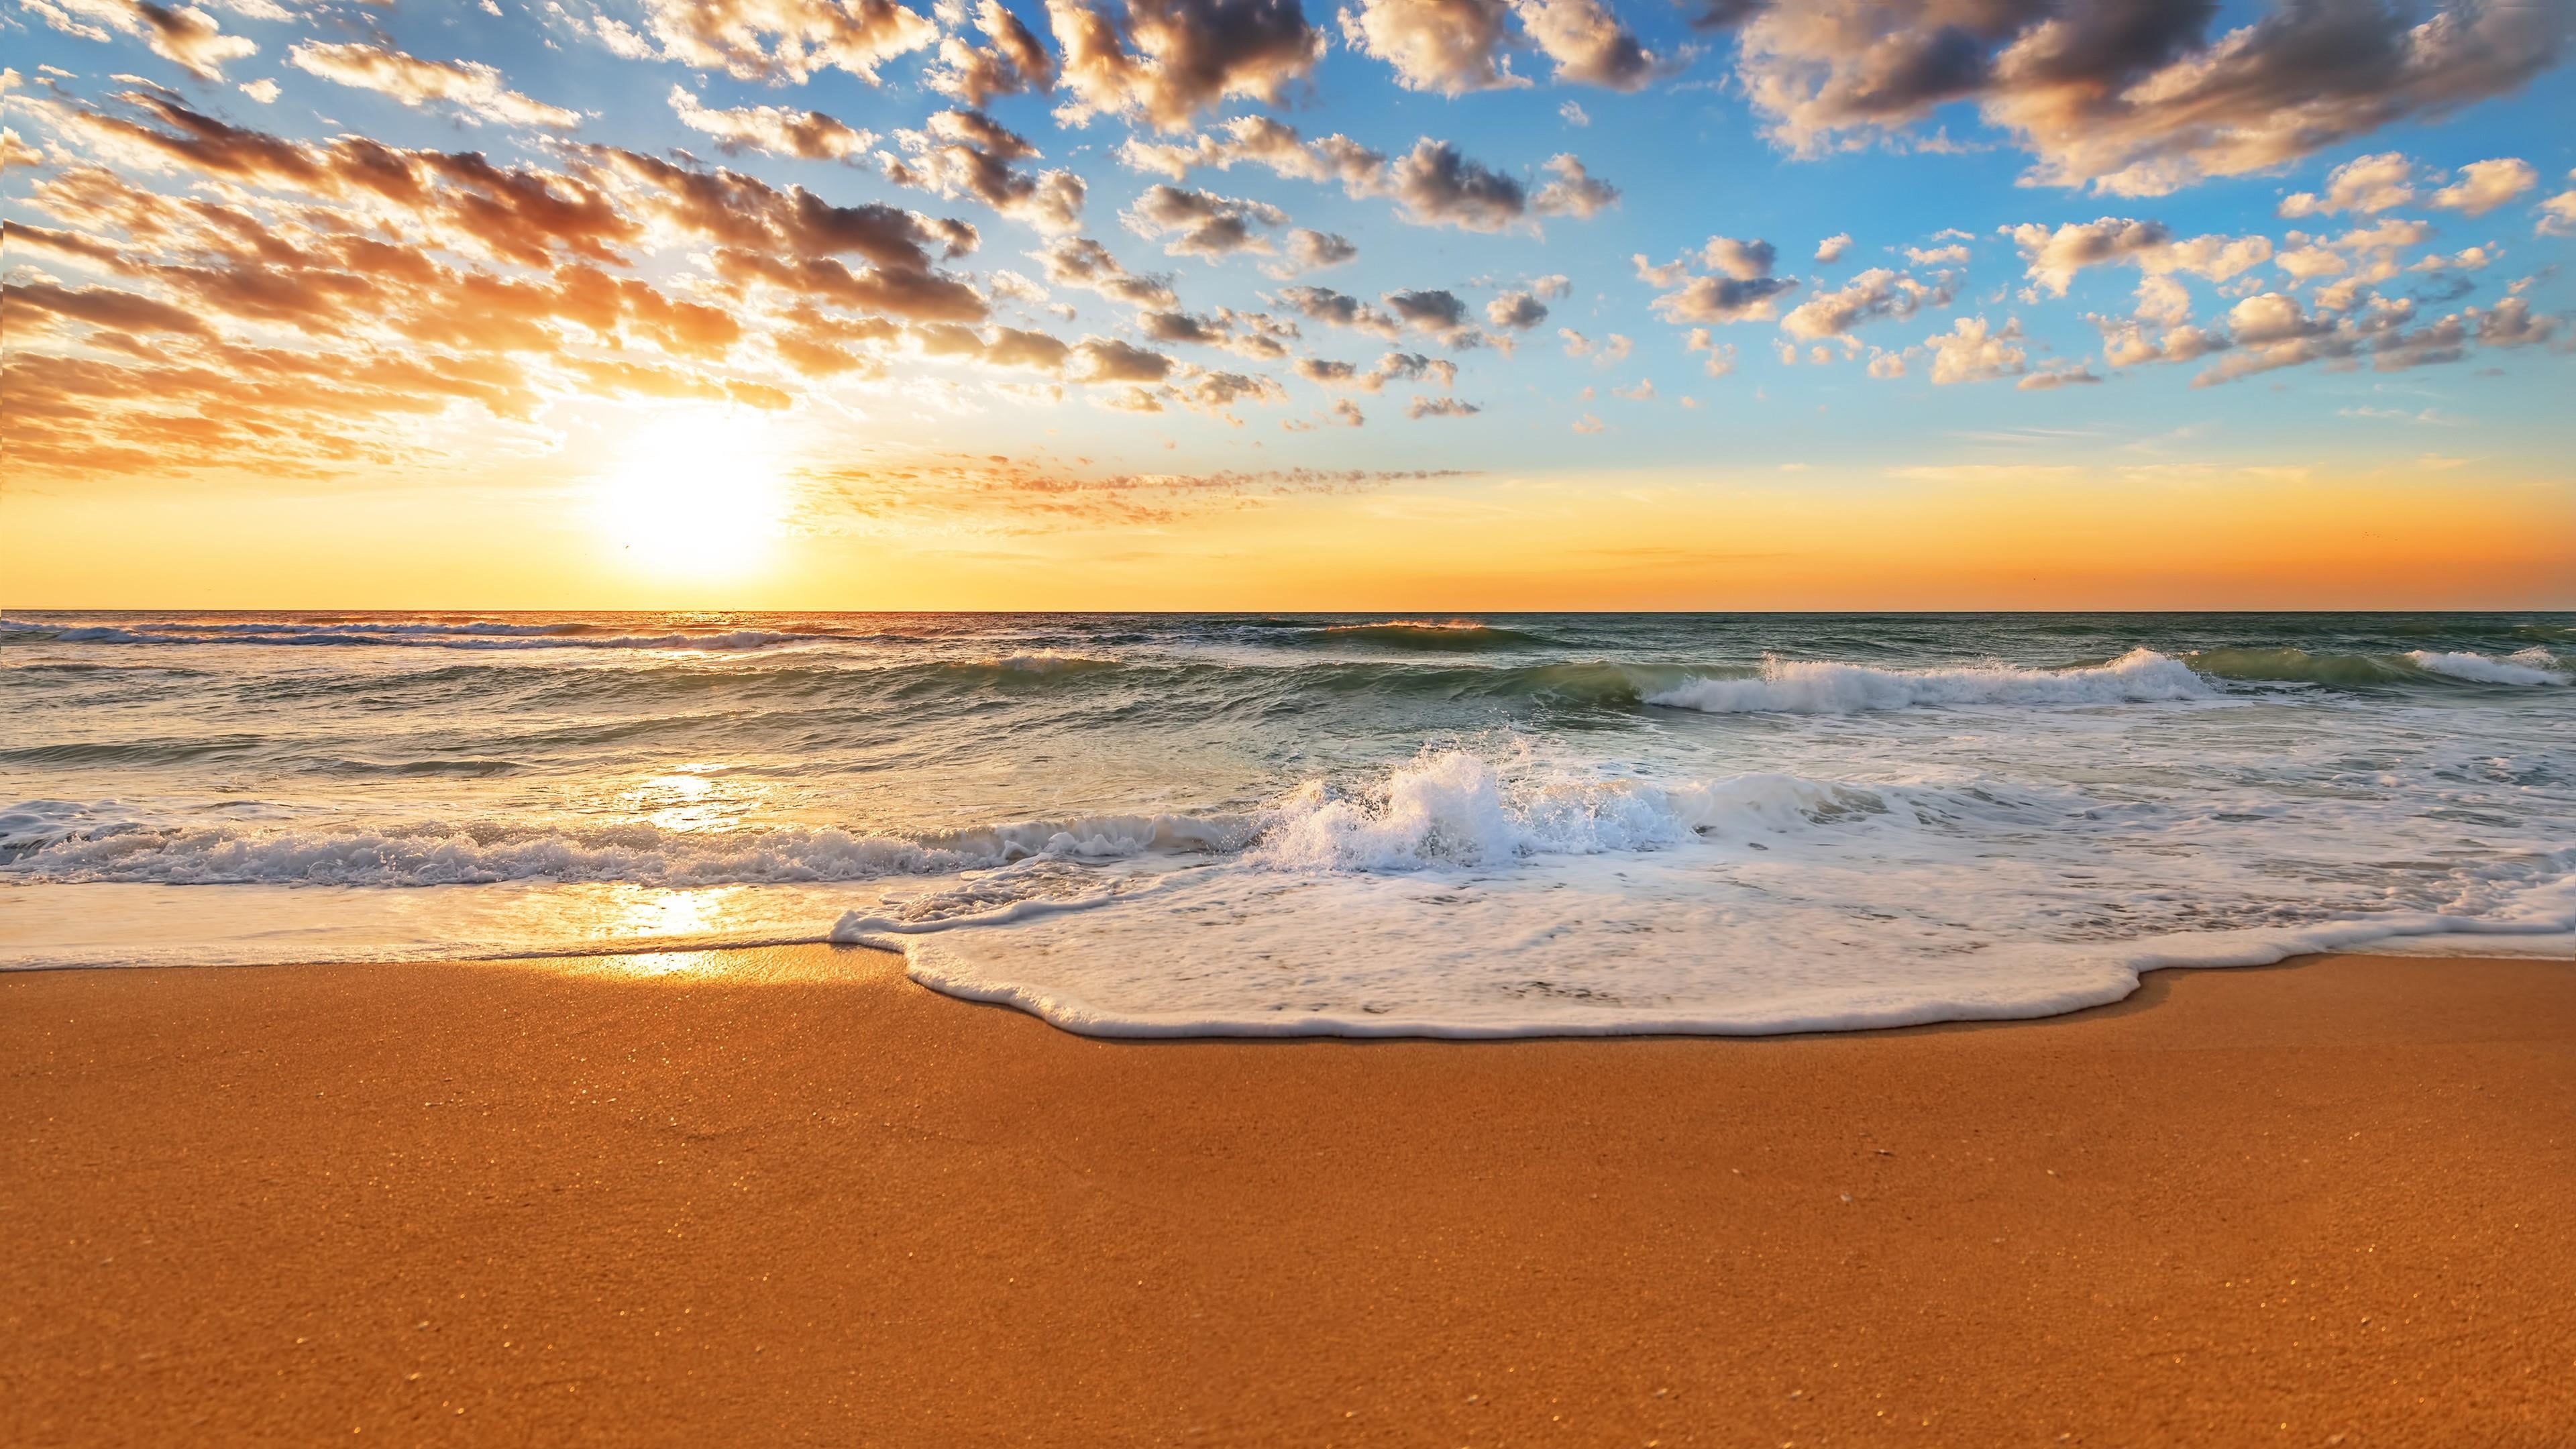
point(697, 492)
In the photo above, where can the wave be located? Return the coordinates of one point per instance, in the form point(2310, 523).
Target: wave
point(401, 636)
point(2298, 666)
point(1048, 661)
point(2529, 667)
point(434, 853)
point(1813, 687)
point(1445, 807)
point(2360, 671)
point(1456, 635)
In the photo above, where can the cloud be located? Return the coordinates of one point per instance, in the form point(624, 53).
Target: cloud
point(1831, 249)
point(183, 35)
point(2557, 214)
point(1423, 405)
point(1573, 114)
point(2365, 184)
point(1436, 183)
point(1217, 393)
point(1106, 359)
point(104, 307)
point(1202, 223)
point(2485, 185)
point(809, 134)
point(263, 90)
point(2057, 375)
point(1338, 311)
point(1745, 261)
point(15, 153)
point(1393, 367)
point(1006, 347)
point(786, 40)
point(1011, 60)
point(1008, 494)
point(2511, 324)
point(1721, 355)
point(1440, 187)
point(1082, 262)
point(1251, 334)
point(1188, 55)
point(968, 153)
point(1587, 44)
point(1972, 351)
point(1439, 313)
point(2054, 257)
point(1722, 299)
point(1575, 192)
point(1518, 310)
point(2134, 97)
point(473, 88)
point(1311, 251)
point(1451, 47)
point(1868, 296)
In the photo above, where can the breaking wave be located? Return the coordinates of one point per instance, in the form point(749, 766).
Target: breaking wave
point(2530, 666)
point(1444, 807)
point(1812, 687)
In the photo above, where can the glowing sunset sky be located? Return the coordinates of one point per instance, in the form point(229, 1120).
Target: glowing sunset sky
point(1472, 304)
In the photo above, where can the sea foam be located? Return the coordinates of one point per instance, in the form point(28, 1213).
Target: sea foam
point(1810, 687)
point(2529, 667)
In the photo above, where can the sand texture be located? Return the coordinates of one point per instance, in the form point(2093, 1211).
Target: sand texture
point(791, 1198)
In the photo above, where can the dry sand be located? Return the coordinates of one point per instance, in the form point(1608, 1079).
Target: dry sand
point(788, 1197)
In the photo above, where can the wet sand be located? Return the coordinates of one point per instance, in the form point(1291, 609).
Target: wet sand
point(789, 1197)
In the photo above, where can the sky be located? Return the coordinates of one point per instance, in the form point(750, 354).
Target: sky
point(1254, 304)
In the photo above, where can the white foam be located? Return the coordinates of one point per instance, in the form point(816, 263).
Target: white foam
point(1495, 894)
point(1587, 952)
point(1810, 687)
point(1454, 807)
point(2529, 667)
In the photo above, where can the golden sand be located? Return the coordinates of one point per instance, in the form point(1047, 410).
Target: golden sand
point(789, 1197)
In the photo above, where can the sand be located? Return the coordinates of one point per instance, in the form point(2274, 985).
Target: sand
point(789, 1197)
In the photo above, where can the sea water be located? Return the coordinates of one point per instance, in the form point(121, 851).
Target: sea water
point(1259, 824)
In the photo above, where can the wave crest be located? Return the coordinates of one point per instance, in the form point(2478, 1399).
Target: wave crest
point(2529, 667)
point(1814, 687)
point(1438, 636)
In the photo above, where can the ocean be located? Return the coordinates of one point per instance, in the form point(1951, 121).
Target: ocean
point(1156, 824)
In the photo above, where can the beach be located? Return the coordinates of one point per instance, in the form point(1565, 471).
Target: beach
point(790, 1196)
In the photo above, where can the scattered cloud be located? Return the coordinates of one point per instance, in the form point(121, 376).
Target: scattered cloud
point(809, 134)
point(2132, 97)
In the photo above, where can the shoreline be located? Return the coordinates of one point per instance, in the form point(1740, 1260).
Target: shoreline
point(2485, 945)
point(792, 1196)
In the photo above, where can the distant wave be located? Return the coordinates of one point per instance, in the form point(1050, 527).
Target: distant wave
point(396, 636)
point(1812, 687)
point(1460, 635)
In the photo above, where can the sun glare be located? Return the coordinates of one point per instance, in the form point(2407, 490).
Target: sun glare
point(695, 493)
